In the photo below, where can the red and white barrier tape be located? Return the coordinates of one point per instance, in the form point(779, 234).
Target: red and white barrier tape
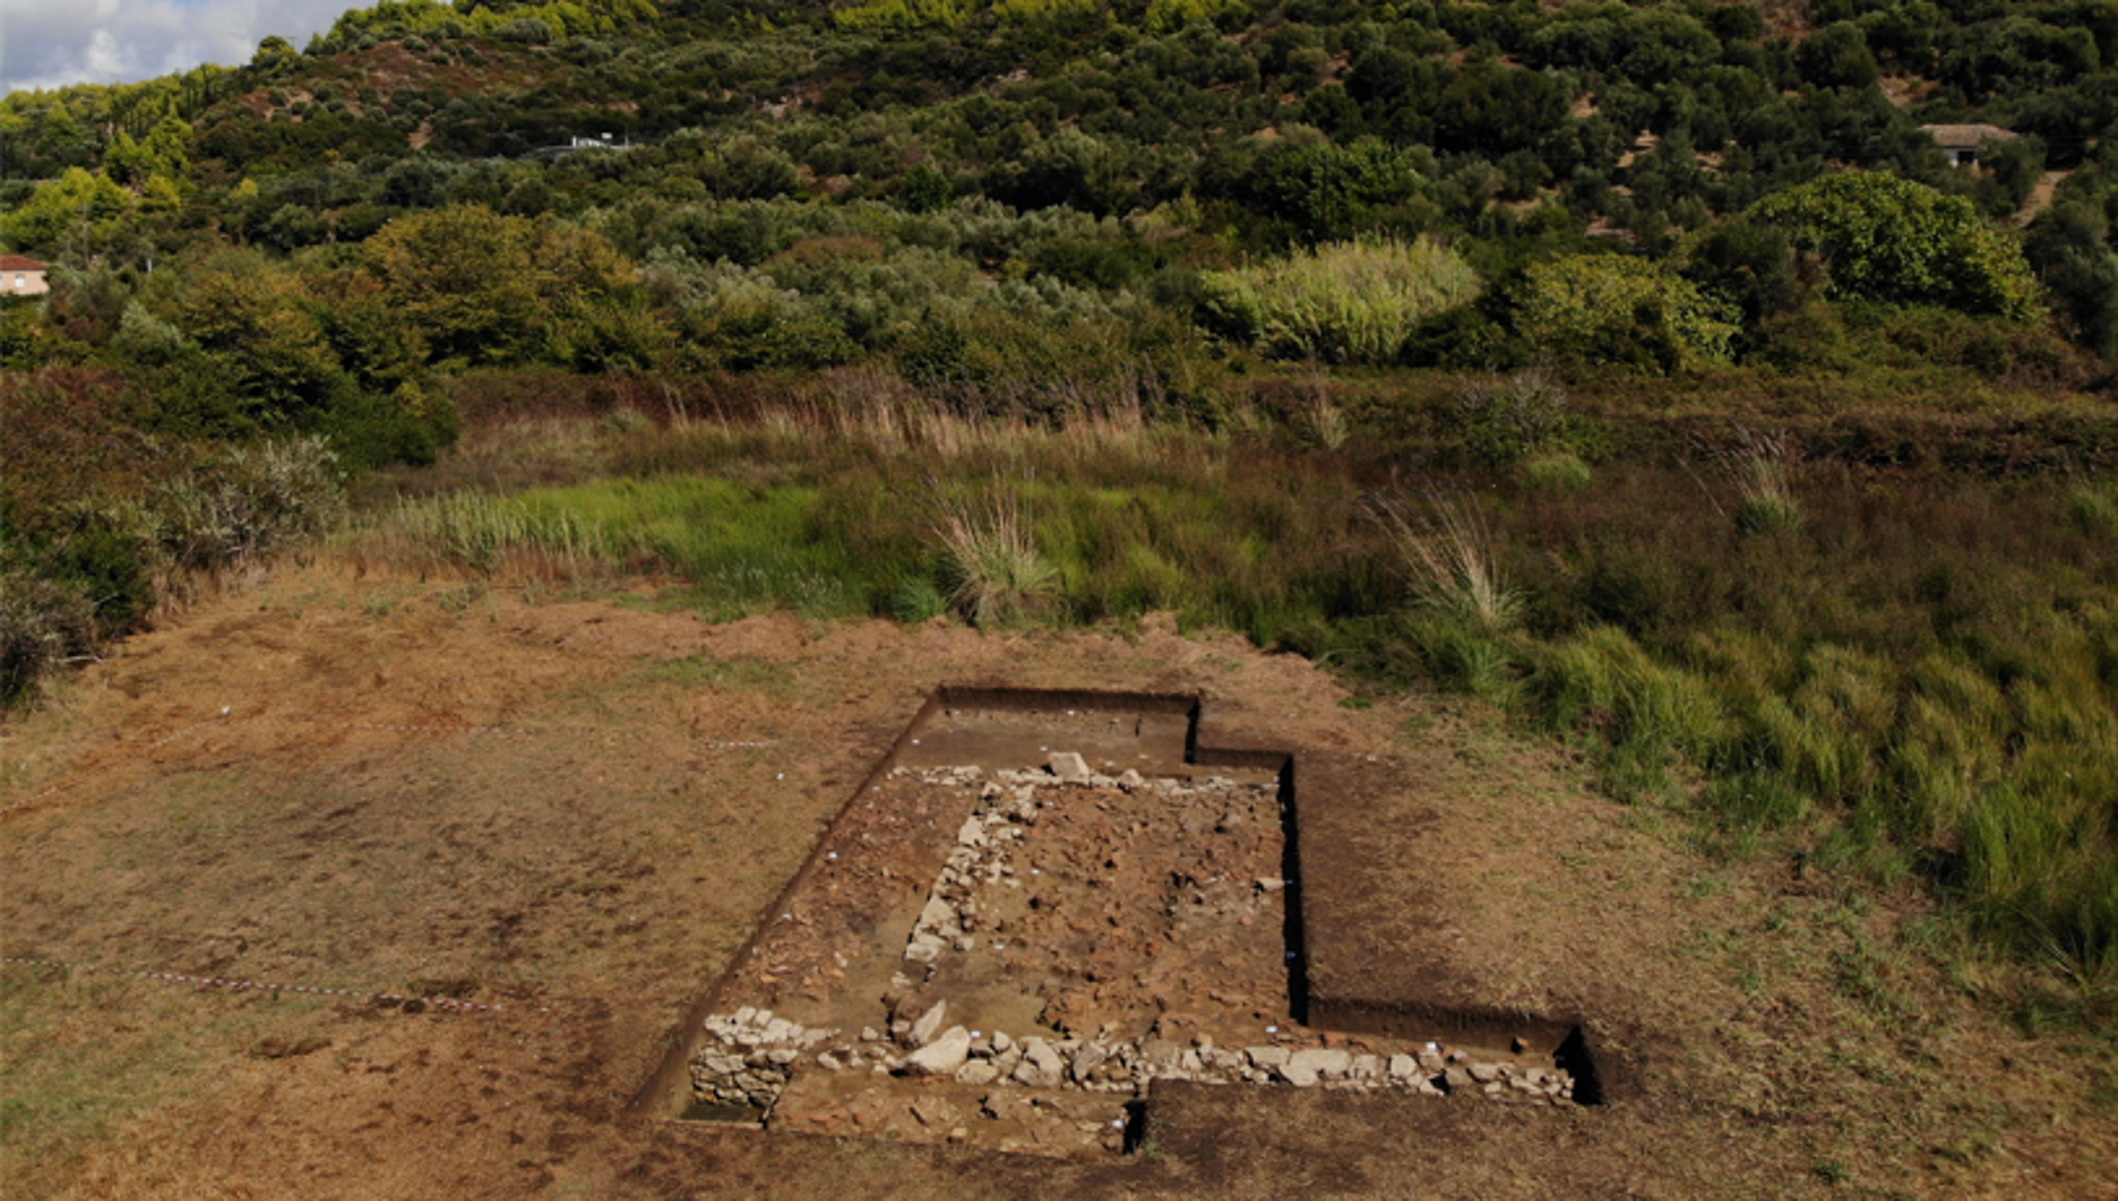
point(251, 985)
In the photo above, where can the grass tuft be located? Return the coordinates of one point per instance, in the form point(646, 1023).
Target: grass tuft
point(999, 578)
point(1765, 490)
point(1445, 549)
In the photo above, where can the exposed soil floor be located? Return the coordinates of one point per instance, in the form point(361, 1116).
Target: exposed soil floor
point(521, 836)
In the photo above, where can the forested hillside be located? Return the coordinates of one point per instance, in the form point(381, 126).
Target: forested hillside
point(793, 186)
point(1792, 435)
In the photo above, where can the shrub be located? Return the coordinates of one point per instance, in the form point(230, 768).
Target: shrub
point(42, 624)
point(1556, 471)
point(1603, 308)
point(1893, 240)
point(250, 501)
point(2094, 507)
point(1352, 302)
point(1499, 420)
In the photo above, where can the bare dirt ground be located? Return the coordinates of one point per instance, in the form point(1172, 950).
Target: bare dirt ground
point(572, 813)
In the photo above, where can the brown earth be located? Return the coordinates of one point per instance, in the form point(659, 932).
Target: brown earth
point(575, 812)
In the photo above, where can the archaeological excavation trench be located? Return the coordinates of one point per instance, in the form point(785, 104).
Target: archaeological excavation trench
point(1037, 906)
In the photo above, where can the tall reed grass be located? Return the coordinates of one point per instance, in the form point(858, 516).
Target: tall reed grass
point(1351, 302)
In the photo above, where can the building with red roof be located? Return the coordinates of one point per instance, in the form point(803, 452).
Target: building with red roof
point(20, 276)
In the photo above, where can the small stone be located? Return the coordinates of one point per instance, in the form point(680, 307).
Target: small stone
point(927, 1025)
point(1160, 1051)
point(745, 1015)
point(978, 1071)
point(1455, 1079)
point(1315, 1063)
point(829, 1062)
point(1002, 1044)
point(1041, 1066)
point(1403, 1067)
point(1131, 780)
point(925, 948)
point(938, 916)
point(783, 1056)
point(1087, 1060)
point(1070, 767)
point(1267, 1058)
point(973, 832)
point(1270, 884)
point(935, 1111)
point(945, 1056)
point(1485, 1073)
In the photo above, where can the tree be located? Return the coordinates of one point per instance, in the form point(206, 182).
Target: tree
point(1889, 239)
point(1837, 56)
point(1752, 265)
point(2070, 244)
point(1491, 110)
point(1330, 193)
point(483, 288)
point(264, 342)
point(73, 215)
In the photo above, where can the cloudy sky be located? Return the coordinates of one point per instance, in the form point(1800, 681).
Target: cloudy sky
point(51, 43)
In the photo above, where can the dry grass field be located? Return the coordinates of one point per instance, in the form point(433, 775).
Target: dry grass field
point(552, 822)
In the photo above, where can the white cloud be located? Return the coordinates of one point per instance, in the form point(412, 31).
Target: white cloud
point(52, 43)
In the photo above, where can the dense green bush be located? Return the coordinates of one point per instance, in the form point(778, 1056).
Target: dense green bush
point(1602, 308)
point(1889, 239)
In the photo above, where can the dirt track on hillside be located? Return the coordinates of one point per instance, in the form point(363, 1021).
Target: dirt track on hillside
point(573, 813)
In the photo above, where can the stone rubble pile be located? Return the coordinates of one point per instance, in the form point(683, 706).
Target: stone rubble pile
point(758, 1053)
point(754, 1056)
point(1126, 1066)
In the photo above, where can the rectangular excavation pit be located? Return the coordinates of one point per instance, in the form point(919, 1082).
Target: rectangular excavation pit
point(1036, 905)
